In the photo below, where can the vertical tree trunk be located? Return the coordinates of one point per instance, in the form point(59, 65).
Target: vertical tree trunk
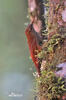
point(57, 17)
point(57, 23)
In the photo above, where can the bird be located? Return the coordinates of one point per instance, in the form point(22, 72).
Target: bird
point(34, 41)
point(33, 30)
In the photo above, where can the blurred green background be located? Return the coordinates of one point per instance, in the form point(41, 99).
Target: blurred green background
point(15, 74)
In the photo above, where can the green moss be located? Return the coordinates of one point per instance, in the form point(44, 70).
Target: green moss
point(50, 85)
